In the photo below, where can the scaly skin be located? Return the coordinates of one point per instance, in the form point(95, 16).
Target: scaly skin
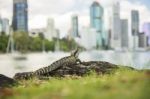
point(66, 61)
point(24, 75)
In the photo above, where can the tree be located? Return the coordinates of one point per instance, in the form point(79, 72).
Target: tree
point(49, 45)
point(68, 45)
point(3, 42)
point(35, 44)
point(21, 40)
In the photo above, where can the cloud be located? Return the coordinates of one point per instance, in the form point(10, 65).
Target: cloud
point(48, 7)
point(6, 8)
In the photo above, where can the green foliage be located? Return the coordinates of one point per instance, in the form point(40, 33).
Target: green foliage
point(3, 42)
point(35, 44)
point(24, 43)
point(21, 40)
point(67, 45)
point(49, 45)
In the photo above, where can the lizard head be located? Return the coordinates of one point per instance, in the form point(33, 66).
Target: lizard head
point(75, 53)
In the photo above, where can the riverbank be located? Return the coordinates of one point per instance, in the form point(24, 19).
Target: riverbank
point(121, 84)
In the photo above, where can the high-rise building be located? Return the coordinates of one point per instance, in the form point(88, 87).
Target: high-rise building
point(5, 26)
point(50, 30)
point(124, 34)
point(146, 30)
point(135, 22)
point(57, 43)
point(147, 42)
point(1, 28)
point(116, 27)
point(142, 40)
point(88, 38)
point(75, 30)
point(109, 39)
point(135, 27)
point(20, 15)
point(57, 35)
point(96, 22)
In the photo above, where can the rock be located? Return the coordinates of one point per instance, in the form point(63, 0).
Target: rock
point(6, 81)
point(81, 69)
point(100, 67)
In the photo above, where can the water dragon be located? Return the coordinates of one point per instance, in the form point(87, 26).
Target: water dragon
point(66, 61)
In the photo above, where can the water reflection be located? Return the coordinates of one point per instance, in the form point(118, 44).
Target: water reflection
point(11, 64)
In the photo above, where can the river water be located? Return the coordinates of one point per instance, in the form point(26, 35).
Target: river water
point(13, 63)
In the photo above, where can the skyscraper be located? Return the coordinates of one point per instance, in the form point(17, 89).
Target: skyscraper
point(75, 30)
point(88, 38)
point(146, 30)
point(5, 26)
point(124, 34)
point(142, 40)
point(51, 31)
point(135, 22)
point(116, 27)
point(1, 25)
point(96, 22)
point(20, 15)
point(135, 27)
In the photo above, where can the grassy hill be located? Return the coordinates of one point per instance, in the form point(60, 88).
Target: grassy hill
point(121, 84)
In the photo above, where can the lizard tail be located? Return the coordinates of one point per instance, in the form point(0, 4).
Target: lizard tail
point(23, 76)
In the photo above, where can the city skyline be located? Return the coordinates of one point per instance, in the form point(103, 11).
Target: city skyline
point(62, 17)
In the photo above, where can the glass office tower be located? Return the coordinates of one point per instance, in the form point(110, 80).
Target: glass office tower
point(96, 21)
point(20, 15)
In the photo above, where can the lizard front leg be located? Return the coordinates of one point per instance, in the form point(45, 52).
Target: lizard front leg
point(79, 61)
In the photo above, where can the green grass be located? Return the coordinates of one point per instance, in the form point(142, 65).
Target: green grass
point(122, 84)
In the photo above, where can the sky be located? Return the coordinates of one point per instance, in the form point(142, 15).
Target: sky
point(62, 10)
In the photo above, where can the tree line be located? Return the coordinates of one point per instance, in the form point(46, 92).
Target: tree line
point(24, 43)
